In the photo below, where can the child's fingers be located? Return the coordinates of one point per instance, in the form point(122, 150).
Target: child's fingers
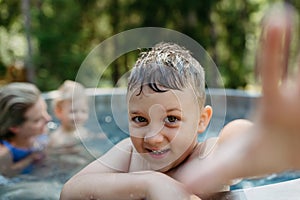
point(286, 49)
point(275, 43)
point(298, 76)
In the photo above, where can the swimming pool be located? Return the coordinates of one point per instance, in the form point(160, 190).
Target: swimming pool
point(108, 114)
point(48, 177)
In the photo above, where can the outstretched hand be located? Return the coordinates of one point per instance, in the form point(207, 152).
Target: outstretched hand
point(277, 120)
point(273, 143)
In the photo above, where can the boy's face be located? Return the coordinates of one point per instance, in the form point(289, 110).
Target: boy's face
point(163, 126)
point(72, 115)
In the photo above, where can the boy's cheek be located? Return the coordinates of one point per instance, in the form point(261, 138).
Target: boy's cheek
point(136, 132)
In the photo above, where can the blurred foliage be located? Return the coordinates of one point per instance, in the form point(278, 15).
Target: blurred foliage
point(63, 33)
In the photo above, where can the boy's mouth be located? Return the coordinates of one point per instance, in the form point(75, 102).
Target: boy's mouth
point(156, 153)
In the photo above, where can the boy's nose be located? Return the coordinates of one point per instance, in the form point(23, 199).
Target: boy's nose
point(154, 133)
point(154, 128)
point(154, 139)
point(155, 123)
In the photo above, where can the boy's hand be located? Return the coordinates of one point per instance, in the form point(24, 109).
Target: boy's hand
point(272, 144)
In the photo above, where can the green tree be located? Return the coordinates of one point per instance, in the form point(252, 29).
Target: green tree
point(64, 32)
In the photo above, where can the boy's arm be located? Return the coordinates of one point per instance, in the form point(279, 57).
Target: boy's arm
point(237, 128)
point(103, 186)
point(115, 186)
point(109, 179)
point(99, 177)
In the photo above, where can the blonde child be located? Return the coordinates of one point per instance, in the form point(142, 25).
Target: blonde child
point(165, 97)
point(71, 109)
point(23, 118)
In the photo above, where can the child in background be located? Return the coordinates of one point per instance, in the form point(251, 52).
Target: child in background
point(71, 108)
point(165, 98)
point(23, 118)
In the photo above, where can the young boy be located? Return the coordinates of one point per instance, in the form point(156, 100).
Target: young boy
point(71, 108)
point(166, 96)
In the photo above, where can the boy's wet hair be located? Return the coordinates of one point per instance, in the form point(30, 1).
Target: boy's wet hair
point(168, 66)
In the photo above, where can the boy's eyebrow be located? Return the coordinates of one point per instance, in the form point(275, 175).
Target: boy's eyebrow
point(173, 109)
point(134, 112)
point(168, 110)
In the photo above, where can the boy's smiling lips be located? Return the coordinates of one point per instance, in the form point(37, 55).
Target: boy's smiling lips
point(158, 153)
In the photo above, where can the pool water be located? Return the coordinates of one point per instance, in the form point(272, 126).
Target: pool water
point(48, 177)
point(267, 180)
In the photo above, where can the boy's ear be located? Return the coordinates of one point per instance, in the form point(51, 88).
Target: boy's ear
point(205, 117)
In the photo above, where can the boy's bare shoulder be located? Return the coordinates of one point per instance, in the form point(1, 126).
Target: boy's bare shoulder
point(206, 147)
point(126, 143)
point(234, 128)
point(119, 156)
point(124, 147)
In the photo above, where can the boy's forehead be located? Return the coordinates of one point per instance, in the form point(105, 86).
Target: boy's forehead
point(145, 89)
point(186, 94)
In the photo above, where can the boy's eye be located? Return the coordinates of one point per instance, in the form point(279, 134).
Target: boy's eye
point(139, 119)
point(171, 119)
